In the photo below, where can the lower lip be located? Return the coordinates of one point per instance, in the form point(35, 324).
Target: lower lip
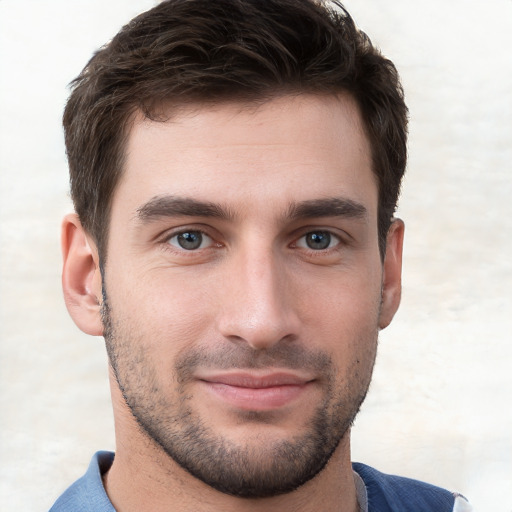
point(256, 399)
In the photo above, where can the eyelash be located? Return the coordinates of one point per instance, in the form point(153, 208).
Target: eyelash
point(332, 237)
point(168, 245)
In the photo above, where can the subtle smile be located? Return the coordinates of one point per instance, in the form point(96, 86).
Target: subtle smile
point(256, 392)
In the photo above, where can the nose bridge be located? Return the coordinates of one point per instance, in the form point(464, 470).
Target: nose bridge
point(259, 308)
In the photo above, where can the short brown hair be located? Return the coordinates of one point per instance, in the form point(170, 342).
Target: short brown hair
point(184, 51)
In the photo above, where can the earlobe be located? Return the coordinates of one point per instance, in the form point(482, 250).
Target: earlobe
point(81, 277)
point(392, 273)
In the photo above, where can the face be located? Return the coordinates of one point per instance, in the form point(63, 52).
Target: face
point(243, 287)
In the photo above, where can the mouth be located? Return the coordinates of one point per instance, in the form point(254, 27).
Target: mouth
point(256, 392)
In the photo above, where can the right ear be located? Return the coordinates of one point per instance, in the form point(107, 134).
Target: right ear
point(81, 276)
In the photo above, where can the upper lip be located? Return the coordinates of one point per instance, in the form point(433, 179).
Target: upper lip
point(254, 380)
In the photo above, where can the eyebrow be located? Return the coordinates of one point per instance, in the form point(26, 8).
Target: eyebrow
point(329, 207)
point(173, 206)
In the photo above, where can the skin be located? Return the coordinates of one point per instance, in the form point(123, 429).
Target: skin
point(254, 295)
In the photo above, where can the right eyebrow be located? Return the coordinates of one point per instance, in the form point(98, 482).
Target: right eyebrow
point(174, 206)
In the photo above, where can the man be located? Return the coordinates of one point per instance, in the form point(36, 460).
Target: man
point(235, 167)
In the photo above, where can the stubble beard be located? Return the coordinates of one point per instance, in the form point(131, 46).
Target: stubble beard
point(263, 469)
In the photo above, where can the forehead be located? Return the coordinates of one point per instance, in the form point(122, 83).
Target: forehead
point(288, 149)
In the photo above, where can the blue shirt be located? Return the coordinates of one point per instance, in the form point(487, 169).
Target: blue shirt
point(87, 494)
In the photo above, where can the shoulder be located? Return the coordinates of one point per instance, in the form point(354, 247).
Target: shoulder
point(399, 494)
point(87, 494)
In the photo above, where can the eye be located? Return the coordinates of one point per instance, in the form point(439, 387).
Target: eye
point(191, 240)
point(318, 240)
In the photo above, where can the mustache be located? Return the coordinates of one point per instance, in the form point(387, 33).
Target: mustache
point(283, 355)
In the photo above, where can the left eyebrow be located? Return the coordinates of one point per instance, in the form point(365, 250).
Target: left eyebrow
point(329, 207)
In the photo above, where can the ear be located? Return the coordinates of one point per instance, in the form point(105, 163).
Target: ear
point(392, 273)
point(81, 276)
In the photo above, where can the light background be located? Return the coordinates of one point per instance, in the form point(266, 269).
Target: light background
point(440, 406)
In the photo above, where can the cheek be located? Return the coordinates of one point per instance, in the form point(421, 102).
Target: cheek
point(344, 319)
point(165, 314)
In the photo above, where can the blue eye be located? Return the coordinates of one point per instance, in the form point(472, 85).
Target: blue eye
point(318, 240)
point(190, 240)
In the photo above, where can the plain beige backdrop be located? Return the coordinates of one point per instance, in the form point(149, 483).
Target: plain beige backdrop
point(440, 404)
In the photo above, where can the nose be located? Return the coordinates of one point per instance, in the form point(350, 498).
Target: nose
point(258, 302)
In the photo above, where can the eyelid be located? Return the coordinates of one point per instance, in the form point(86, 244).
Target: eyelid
point(205, 239)
point(205, 231)
point(334, 237)
point(342, 235)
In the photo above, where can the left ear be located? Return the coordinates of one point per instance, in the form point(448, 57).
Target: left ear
point(392, 273)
